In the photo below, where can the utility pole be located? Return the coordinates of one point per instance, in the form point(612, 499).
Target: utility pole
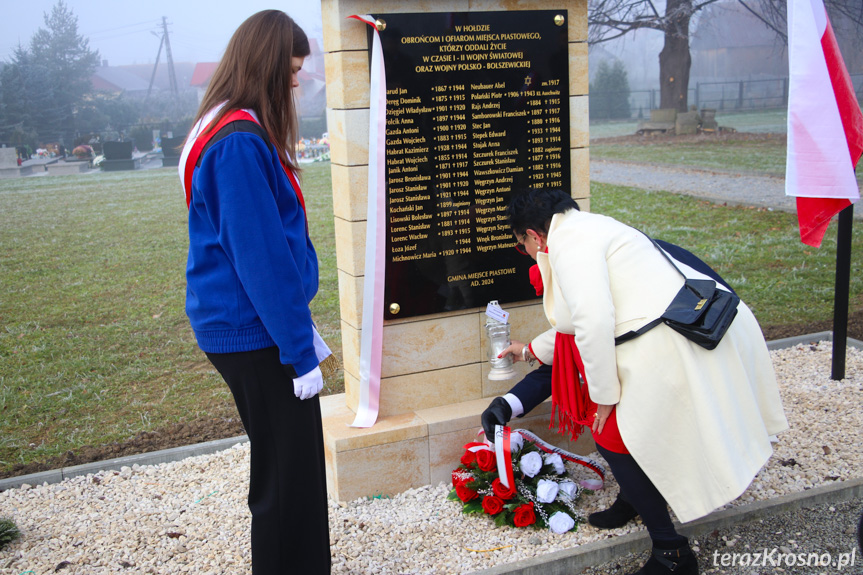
point(155, 67)
point(172, 77)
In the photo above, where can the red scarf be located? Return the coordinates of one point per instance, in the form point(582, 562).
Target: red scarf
point(570, 400)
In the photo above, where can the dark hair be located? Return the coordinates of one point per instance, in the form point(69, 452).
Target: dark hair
point(533, 209)
point(256, 72)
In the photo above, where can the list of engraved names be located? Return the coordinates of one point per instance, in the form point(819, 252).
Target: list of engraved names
point(476, 115)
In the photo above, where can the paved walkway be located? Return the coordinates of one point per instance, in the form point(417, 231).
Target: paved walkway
point(721, 187)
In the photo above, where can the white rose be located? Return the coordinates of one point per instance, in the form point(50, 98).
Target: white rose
point(557, 461)
point(560, 522)
point(530, 463)
point(516, 442)
point(546, 491)
point(569, 488)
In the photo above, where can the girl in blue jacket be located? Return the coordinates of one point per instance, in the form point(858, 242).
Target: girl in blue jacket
point(251, 273)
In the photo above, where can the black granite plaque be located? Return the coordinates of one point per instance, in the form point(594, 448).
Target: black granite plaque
point(477, 109)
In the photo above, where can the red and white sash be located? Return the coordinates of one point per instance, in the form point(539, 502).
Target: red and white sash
point(203, 133)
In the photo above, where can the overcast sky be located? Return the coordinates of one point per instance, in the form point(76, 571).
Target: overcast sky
point(122, 31)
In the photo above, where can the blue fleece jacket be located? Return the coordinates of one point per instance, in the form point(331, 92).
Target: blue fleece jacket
point(252, 269)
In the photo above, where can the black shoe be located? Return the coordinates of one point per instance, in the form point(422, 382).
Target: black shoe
point(679, 561)
point(619, 514)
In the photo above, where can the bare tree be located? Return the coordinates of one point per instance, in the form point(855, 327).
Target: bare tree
point(610, 19)
point(775, 14)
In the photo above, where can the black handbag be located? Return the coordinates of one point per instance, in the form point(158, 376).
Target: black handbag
point(700, 311)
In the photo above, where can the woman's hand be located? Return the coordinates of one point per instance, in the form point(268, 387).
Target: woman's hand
point(602, 414)
point(514, 350)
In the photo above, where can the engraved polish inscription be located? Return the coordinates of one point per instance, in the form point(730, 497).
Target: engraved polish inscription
point(477, 109)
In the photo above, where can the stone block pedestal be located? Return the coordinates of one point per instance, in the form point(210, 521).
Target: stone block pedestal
point(434, 383)
point(412, 449)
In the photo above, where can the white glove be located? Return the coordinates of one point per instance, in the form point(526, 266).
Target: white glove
point(309, 385)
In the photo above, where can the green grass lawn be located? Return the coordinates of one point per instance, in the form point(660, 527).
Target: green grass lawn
point(735, 153)
point(95, 345)
point(757, 251)
point(764, 154)
point(765, 121)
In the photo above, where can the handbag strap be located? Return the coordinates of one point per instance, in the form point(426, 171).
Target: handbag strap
point(644, 329)
point(664, 254)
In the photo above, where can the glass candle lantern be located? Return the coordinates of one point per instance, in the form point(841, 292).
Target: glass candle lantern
point(498, 340)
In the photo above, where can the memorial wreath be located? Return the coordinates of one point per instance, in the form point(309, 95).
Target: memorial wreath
point(520, 481)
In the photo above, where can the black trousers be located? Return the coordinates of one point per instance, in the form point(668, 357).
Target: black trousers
point(638, 490)
point(287, 486)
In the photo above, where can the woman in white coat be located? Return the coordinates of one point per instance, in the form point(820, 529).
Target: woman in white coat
point(677, 424)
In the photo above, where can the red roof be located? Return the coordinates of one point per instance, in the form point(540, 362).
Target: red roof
point(202, 74)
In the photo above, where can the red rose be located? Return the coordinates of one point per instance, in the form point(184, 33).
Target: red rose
point(468, 458)
point(503, 492)
point(492, 505)
point(486, 460)
point(524, 516)
point(465, 494)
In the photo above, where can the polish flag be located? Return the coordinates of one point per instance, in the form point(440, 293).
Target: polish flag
point(825, 125)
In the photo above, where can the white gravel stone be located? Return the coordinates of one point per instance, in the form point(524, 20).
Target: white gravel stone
point(191, 516)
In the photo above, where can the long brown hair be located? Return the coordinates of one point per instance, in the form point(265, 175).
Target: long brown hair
point(256, 73)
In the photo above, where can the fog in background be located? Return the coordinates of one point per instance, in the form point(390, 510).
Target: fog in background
point(726, 43)
point(126, 32)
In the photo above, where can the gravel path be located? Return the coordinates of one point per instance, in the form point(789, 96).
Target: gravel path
point(190, 516)
point(721, 187)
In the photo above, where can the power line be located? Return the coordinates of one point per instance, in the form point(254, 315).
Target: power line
point(150, 23)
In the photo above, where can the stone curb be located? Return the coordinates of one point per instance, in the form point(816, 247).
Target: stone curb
point(809, 338)
point(151, 458)
point(571, 561)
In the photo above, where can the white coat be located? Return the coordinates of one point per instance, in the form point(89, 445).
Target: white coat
point(696, 421)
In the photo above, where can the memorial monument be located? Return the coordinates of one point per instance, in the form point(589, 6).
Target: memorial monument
point(9, 167)
point(477, 100)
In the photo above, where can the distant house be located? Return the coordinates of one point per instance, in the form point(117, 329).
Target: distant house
point(313, 86)
point(201, 77)
point(134, 80)
point(116, 80)
point(312, 95)
point(162, 80)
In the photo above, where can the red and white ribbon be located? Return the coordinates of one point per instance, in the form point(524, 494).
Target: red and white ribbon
point(503, 451)
point(595, 466)
point(371, 341)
